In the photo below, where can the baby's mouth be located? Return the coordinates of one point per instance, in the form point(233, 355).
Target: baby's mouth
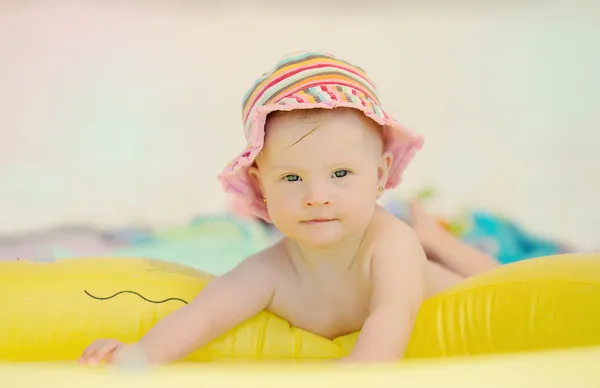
point(318, 221)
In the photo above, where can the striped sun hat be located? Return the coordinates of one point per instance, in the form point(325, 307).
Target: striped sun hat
point(305, 80)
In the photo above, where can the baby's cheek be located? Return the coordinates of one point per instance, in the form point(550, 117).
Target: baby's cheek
point(283, 203)
point(360, 195)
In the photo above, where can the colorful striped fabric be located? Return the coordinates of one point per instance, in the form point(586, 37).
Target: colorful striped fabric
point(307, 80)
point(311, 77)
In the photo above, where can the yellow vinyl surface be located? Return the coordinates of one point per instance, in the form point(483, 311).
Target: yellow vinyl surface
point(557, 369)
point(52, 310)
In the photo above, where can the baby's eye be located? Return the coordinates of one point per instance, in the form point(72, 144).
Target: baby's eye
point(291, 178)
point(340, 173)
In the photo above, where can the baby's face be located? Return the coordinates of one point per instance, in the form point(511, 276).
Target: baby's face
point(320, 175)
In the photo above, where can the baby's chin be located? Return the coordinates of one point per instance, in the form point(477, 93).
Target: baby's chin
point(320, 234)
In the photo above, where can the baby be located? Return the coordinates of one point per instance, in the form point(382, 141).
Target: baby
point(320, 152)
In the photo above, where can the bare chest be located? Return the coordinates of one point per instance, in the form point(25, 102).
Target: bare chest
point(328, 309)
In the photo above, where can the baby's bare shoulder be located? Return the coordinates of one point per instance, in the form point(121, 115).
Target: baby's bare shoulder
point(270, 262)
point(264, 258)
point(388, 238)
point(388, 229)
point(391, 239)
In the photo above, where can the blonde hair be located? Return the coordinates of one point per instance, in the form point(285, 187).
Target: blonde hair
point(321, 113)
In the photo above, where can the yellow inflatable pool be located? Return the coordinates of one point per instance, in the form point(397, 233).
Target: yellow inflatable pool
point(52, 310)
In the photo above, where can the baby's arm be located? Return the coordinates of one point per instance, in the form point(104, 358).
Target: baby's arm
point(224, 303)
point(398, 283)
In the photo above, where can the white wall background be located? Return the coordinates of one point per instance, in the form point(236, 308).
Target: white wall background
point(124, 115)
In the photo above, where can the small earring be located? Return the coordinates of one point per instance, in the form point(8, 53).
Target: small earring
point(265, 199)
point(381, 188)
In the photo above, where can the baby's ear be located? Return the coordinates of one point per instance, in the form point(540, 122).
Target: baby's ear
point(254, 174)
point(385, 165)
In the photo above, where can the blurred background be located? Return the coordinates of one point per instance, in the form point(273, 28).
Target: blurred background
point(116, 117)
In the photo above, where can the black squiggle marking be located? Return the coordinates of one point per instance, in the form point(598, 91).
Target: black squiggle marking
point(135, 293)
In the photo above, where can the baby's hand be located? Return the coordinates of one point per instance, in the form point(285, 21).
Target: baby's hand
point(101, 350)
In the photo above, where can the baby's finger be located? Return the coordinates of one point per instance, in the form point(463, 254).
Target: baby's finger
point(107, 348)
point(90, 351)
point(98, 350)
point(113, 356)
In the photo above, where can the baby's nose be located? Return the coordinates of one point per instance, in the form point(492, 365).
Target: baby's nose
point(317, 195)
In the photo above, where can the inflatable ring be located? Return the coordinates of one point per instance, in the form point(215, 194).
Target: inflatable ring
point(55, 309)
